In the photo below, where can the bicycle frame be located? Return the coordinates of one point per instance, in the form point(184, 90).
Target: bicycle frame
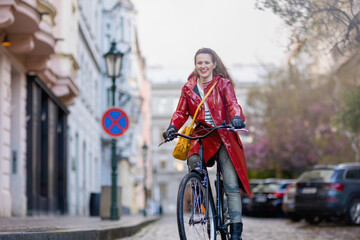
point(219, 200)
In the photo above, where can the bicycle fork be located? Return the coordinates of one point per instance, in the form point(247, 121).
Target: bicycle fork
point(196, 198)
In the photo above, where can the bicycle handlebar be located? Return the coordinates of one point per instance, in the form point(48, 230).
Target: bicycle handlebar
point(221, 126)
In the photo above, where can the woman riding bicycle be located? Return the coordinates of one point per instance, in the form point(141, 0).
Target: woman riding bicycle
point(225, 146)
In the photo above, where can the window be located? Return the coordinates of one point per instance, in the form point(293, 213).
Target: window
point(108, 96)
point(266, 187)
point(175, 102)
point(163, 106)
point(179, 166)
point(317, 174)
point(163, 164)
point(353, 174)
point(163, 190)
point(122, 26)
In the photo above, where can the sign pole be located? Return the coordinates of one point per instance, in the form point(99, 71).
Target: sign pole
point(114, 208)
point(114, 211)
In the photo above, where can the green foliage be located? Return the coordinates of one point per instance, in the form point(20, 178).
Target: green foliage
point(348, 84)
point(256, 174)
point(350, 113)
point(270, 173)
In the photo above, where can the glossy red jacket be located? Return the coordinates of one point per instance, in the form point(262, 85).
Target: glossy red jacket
point(223, 106)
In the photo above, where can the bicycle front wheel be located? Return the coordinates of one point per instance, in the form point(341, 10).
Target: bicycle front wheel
point(192, 218)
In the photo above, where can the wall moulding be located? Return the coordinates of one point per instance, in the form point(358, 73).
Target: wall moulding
point(21, 43)
point(7, 17)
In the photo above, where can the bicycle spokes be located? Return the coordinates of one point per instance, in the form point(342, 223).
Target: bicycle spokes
point(196, 220)
point(199, 201)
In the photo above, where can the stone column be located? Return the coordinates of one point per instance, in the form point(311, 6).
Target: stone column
point(5, 126)
point(18, 144)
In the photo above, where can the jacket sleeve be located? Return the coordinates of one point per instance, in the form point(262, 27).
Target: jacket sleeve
point(231, 104)
point(181, 113)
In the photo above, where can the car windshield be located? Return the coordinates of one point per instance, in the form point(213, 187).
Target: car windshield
point(284, 186)
point(317, 174)
point(253, 185)
point(266, 187)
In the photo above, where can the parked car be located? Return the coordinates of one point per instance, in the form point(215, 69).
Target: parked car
point(288, 203)
point(245, 200)
point(266, 198)
point(328, 192)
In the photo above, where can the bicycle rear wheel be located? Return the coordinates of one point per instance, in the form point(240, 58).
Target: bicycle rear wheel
point(191, 210)
point(224, 228)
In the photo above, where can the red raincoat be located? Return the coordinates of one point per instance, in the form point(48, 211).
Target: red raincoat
point(223, 106)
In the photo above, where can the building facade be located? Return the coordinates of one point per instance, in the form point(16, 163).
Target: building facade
point(35, 93)
point(53, 91)
point(84, 136)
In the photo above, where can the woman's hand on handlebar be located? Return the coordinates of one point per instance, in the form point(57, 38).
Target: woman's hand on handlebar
point(237, 122)
point(169, 133)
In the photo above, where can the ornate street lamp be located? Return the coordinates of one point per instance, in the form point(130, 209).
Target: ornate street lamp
point(113, 62)
point(145, 151)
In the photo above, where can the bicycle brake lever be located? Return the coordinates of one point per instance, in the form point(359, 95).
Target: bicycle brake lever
point(241, 130)
point(167, 140)
point(232, 128)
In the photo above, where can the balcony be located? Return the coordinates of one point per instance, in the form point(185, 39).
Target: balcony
point(28, 25)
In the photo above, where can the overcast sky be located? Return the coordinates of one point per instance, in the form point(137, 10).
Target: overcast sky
point(171, 31)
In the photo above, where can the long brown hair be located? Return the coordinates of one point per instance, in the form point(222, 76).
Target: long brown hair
point(220, 68)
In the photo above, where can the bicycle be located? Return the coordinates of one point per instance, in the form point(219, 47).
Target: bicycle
point(197, 215)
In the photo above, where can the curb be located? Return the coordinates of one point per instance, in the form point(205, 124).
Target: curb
point(70, 234)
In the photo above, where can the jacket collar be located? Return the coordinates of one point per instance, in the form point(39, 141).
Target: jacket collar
point(191, 84)
point(189, 88)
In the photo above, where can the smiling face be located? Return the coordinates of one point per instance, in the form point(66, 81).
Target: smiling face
point(204, 67)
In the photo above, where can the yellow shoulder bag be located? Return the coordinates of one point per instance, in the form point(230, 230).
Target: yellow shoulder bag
point(183, 145)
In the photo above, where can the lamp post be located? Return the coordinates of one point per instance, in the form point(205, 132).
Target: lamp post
point(144, 151)
point(113, 60)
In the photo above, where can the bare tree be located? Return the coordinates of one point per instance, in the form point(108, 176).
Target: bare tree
point(333, 23)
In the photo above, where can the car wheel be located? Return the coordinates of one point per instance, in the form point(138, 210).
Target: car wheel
point(353, 212)
point(294, 217)
point(314, 220)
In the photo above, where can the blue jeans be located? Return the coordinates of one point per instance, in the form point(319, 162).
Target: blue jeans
point(231, 182)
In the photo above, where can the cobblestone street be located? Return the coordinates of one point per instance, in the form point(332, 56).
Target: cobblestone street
point(259, 229)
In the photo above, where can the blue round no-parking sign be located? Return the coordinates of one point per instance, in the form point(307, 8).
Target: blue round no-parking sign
point(115, 122)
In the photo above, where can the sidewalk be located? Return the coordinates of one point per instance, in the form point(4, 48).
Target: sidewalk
point(71, 228)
